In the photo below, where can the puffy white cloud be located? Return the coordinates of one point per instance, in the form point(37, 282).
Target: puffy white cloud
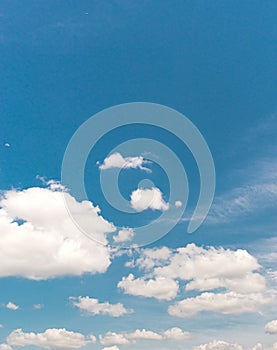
point(112, 338)
point(144, 334)
point(218, 345)
point(94, 307)
point(161, 288)
point(50, 339)
point(225, 303)
point(271, 327)
point(150, 258)
point(116, 160)
point(124, 235)
point(5, 347)
point(176, 333)
point(146, 198)
point(46, 243)
point(12, 306)
point(178, 204)
point(111, 348)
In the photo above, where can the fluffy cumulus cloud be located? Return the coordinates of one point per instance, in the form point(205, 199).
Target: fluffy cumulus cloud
point(148, 198)
point(5, 347)
point(50, 339)
point(218, 345)
point(226, 281)
point(40, 239)
point(94, 307)
point(161, 288)
point(112, 338)
point(116, 160)
point(111, 348)
point(125, 338)
point(271, 327)
point(12, 306)
point(124, 235)
point(225, 303)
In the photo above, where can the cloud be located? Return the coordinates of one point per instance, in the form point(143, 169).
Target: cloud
point(116, 160)
point(38, 306)
point(144, 334)
point(7, 145)
point(218, 345)
point(46, 243)
point(271, 327)
point(5, 347)
point(142, 199)
point(230, 303)
point(12, 306)
point(111, 348)
point(160, 288)
point(92, 306)
point(176, 333)
point(178, 204)
point(124, 235)
point(111, 338)
point(50, 339)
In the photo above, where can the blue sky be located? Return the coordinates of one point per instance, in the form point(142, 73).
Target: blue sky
point(63, 62)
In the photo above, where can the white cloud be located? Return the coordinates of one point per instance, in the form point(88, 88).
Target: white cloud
point(178, 204)
point(7, 145)
point(124, 235)
point(12, 306)
point(176, 333)
point(94, 307)
point(160, 288)
point(230, 303)
point(218, 345)
point(142, 199)
point(5, 347)
point(38, 306)
point(271, 327)
point(48, 244)
point(111, 338)
point(144, 334)
point(111, 348)
point(116, 160)
point(50, 339)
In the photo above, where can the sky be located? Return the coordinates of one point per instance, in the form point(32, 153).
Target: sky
point(116, 266)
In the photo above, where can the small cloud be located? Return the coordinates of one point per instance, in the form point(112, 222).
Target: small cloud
point(142, 199)
point(116, 160)
point(124, 235)
point(12, 306)
point(38, 306)
point(7, 145)
point(178, 204)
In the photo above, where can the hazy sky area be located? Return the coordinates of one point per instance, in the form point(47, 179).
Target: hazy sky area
point(115, 267)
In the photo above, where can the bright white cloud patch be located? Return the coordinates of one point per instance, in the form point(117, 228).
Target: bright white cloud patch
point(94, 307)
point(50, 339)
point(218, 345)
point(48, 244)
point(178, 204)
point(176, 333)
point(111, 348)
point(124, 235)
point(160, 288)
point(116, 160)
point(142, 199)
point(111, 338)
point(144, 334)
point(5, 347)
point(12, 306)
point(271, 327)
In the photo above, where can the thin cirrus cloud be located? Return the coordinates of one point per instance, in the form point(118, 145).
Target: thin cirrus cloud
point(148, 198)
point(47, 229)
point(50, 339)
point(94, 307)
point(225, 281)
point(116, 160)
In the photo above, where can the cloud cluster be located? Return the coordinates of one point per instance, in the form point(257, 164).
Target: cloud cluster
point(271, 327)
point(50, 339)
point(40, 239)
point(94, 307)
point(125, 338)
point(148, 198)
point(229, 281)
point(116, 160)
